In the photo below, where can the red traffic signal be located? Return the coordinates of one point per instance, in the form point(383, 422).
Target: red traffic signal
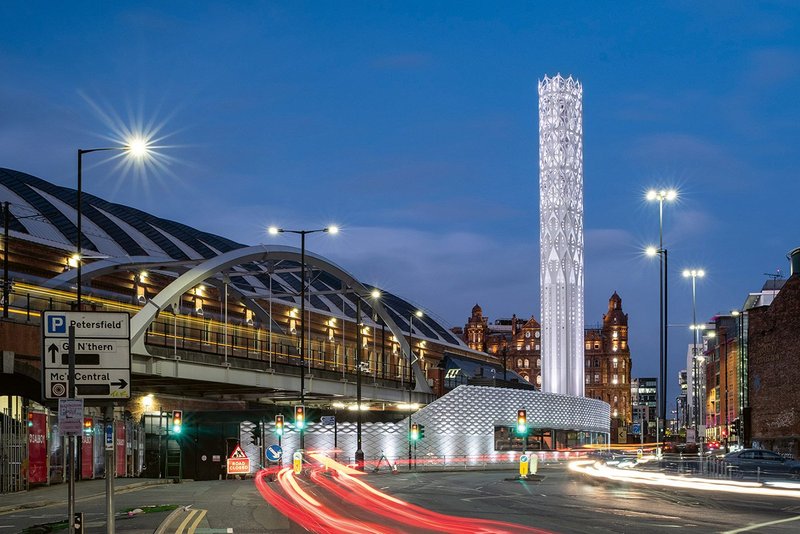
point(300, 417)
point(87, 425)
point(279, 424)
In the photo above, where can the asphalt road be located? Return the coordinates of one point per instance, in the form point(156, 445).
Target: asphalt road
point(567, 503)
point(560, 502)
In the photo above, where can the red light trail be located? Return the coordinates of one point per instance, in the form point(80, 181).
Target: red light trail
point(315, 503)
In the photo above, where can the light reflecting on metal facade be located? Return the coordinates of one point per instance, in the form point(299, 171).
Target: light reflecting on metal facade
point(461, 425)
point(561, 234)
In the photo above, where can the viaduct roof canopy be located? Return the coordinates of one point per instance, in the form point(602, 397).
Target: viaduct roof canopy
point(45, 213)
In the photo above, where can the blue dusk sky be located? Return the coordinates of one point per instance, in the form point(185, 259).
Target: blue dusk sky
point(414, 125)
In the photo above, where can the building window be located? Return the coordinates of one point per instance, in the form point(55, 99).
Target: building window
point(588, 378)
point(588, 345)
point(597, 362)
point(614, 334)
point(597, 378)
point(615, 362)
point(596, 344)
point(538, 362)
point(527, 363)
point(588, 362)
point(519, 362)
point(527, 347)
point(623, 344)
point(539, 380)
point(537, 347)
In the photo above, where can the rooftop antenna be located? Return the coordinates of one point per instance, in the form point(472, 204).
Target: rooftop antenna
point(778, 275)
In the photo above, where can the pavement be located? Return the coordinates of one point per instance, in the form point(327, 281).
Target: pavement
point(57, 493)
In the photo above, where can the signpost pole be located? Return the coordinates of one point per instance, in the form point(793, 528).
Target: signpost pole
point(109, 461)
point(71, 437)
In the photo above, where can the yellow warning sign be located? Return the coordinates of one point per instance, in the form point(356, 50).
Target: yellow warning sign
point(238, 453)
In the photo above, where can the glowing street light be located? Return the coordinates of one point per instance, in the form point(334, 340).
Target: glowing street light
point(136, 147)
point(274, 230)
point(694, 274)
point(661, 196)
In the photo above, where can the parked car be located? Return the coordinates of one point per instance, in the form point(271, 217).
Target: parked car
point(767, 462)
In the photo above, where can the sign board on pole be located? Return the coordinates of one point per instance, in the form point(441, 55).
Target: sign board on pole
point(102, 354)
point(70, 417)
point(109, 434)
point(637, 428)
point(328, 420)
point(274, 453)
point(238, 463)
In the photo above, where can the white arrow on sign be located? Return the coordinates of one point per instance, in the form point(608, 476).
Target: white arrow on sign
point(105, 353)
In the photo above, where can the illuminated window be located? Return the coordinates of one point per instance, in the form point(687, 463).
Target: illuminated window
point(597, 378)
point(588, 378)
point(596, 344)
point(588, 345)
point(623, 344)
point(519, 362)
point(538, 362)
point(614, 334)
point(615, 363)
point(588, 362)
point(539, 380)
point(527, 363)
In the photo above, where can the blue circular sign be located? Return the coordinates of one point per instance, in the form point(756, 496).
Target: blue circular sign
point(274, 453)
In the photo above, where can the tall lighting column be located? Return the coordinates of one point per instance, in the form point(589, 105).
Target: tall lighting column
point(138, 148)
point(274, 230)
point(661, 196)
point(418, 314)
point(694, 274)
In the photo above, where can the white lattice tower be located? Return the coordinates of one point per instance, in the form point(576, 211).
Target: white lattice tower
point(561, 234)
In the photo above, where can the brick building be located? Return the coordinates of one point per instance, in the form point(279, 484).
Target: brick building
point(773, 353)
point(607, 355)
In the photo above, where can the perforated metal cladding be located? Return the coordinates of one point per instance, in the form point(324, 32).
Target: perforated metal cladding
point(459, 425)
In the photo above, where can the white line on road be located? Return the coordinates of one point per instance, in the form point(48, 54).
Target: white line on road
point(767, 524)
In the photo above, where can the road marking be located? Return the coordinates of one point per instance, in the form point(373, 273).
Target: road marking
point(767, 524)
point(200, 516)
point(186, 521)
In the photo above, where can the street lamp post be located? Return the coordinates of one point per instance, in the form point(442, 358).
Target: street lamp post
point(418, 314)
point(694, 274)
point(137, 147)
point(663, 296)
point(302, 233)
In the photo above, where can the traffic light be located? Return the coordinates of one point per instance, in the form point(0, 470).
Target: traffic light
point(300, 417)
point(30, 419)
point(736, 428)
point(522, 422)
point(279, 424)
point(87, 425)
point(255, 434)
point(421, 430)
point(414, 431)
point(177, 421)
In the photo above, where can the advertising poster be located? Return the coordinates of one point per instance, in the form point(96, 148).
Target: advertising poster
point(37, 448)
point(119, 440)
point(87, 460)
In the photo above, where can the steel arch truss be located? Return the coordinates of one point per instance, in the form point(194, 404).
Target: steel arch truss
point(171, 294)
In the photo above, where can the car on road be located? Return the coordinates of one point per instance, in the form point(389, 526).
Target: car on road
point(763, 461)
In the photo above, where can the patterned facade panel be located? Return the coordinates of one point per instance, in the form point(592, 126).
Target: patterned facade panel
point(459, 427)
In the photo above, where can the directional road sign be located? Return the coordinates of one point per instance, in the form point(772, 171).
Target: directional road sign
point(70, 416)
point(274, 453)
point(102, 354)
